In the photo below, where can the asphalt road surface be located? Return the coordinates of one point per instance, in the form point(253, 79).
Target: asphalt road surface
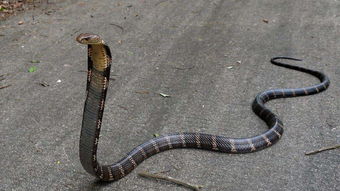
point(211, 57)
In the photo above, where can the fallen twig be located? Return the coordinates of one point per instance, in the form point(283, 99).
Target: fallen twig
point(44, 84)
point(142, 92)
point(3, 75)
point(160, 2)
point(5, 86)
point(120, 27)
point(322, 149)
point(164, 95)
point(170, 179)
point(188, 68)
point(123, 107)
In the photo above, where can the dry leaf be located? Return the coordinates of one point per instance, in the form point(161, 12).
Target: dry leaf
point(44, 84)
point(142, 92)
point(164, 95)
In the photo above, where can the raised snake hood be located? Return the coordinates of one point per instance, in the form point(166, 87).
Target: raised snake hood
point(89, 38)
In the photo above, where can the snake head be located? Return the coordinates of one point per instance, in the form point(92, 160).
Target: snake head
point(89, 38)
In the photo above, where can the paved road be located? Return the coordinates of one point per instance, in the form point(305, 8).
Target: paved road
point(184, 49)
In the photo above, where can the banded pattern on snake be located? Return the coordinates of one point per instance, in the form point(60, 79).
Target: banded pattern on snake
point(99, 62)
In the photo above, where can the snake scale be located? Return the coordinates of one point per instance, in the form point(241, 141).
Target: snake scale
point(99, 62)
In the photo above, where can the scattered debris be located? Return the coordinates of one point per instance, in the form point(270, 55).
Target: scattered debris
point(156, 135)
point(160, 2)
point(185, 68)
point(265, 21)
point(38, 150)
point(44, 84)
point(322, 149)
point(32, 69)
point(170, 179)
point(49, 12)
point(142, 92)
point(116, 25)
point(2, 87)
point(123, 107)
point(2, 77)
point(164, 95)
point(237, 62)
point(35, 61)
point(8, 8)
point(81, 4)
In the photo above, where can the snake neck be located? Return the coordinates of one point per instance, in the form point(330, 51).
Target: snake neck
point(99, 62)
point(99, 57)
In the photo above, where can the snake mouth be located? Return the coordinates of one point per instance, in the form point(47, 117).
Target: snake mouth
point(89, 38)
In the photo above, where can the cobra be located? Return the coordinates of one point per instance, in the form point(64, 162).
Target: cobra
point(99, 63)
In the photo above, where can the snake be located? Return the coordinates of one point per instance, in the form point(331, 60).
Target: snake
point(98, 76)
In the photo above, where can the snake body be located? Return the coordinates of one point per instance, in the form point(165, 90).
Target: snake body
point(99, 62)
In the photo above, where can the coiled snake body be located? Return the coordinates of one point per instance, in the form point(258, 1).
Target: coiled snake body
point(99, 61)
